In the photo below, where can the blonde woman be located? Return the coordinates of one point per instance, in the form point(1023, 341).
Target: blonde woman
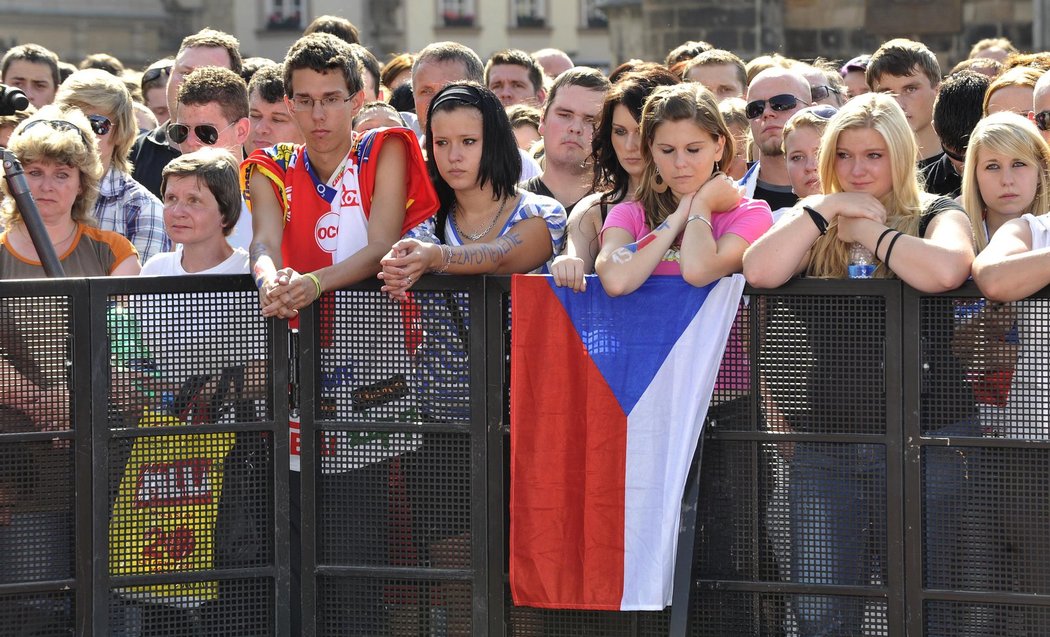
point(872, 196)
point(1012, 91)
point(801, 145)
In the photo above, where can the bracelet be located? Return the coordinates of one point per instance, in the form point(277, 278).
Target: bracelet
point(691, 218)
point(818, 219)
point(879, 242)
point(889, 250)
point(317, 283)
point(446, 252)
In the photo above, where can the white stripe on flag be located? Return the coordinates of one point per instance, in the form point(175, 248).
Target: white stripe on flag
point(662, 432)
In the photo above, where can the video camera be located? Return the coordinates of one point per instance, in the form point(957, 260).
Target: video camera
point(12, 100)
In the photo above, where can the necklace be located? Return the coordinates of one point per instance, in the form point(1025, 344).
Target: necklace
point(476, 236)
point(68, 236)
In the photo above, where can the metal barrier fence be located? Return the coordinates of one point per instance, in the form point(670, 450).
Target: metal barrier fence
point(881, 467)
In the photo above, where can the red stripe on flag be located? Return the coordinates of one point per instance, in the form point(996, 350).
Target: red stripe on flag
point(568, 458)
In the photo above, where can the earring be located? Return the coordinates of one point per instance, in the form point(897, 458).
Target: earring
point(657, 183)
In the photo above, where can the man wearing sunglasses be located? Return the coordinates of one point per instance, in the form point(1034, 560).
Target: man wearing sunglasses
point(152, 151)
point(772, 98)
point(212, 110)
point(1041, 105)
point(959, 106)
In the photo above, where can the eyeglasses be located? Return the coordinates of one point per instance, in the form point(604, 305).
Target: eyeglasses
point(155, 73)
point(1042, 120)
point(818, 93)
point(302, 104)
point(100, 124)
point(60, 125)
point(954, 155)
point(779, 103)
point(206, 133)
point(823, 111)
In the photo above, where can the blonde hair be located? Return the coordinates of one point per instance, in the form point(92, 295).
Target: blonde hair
point(687, 101)
point(1011, 135)
point(904, 203)
point(802, 119)
point(92, 89)
point(1017, 76)
point(46, 143)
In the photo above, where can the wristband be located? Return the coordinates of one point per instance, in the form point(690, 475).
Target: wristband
point(889, 250)
point(317, 283)
point(879, 242)
point(818, 219)
point(691, 218)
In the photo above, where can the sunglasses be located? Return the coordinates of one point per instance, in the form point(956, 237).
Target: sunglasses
point(818, 93)
point(823, 111)
point(954, 155)
point(206, 133)
point(59, 125)
point(100, 124)
point(154, 74)
point(1042, 120)
point(779, 103)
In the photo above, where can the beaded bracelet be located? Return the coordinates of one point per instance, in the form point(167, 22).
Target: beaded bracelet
point(446, 252)
point(317, 283)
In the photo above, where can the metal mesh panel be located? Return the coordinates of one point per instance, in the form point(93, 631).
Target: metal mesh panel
point(184, 501)
point(986, 620)
point(242, 607)
point(198, 356)
point(822, 360)
point(402, 607)
point(38, 614)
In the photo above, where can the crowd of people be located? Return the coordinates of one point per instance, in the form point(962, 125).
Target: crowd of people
point(327, 168)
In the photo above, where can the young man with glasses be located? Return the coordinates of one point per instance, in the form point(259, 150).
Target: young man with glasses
point(152, 151)
point(212, 110)
point(772, 98)
point(154, 85)
point(322, 221)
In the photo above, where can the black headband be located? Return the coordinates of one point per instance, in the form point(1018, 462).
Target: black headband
point(465, 93)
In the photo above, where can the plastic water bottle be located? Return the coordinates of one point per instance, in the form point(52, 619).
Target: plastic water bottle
point(861, 262)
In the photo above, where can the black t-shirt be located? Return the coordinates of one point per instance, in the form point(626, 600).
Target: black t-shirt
point(536, 186)
point(150, 154)
point(940, 176)
point(776, 196)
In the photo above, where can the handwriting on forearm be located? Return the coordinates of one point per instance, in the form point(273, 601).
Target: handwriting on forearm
point(486, 254)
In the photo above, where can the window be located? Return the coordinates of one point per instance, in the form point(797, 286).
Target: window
point(593, 17)
point(285, 14)
point(456, 13)
point(528, 13)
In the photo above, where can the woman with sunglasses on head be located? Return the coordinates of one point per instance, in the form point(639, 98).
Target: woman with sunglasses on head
point(871, 196)
point(124, 205)
point(59, 155)
point(617, 153)
point(801, 143)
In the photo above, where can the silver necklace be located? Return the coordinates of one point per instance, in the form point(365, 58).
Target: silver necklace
point(476, 236)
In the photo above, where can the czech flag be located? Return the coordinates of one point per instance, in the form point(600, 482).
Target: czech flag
point(608, 398)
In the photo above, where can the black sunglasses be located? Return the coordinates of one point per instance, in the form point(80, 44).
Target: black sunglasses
point(1042, 120)
point(60, 125)
point(823, 111)
point(818, 93)
point(954, 155)
point(206, 133)
point(154, 74)
point(780, 103)
point(100, 124)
